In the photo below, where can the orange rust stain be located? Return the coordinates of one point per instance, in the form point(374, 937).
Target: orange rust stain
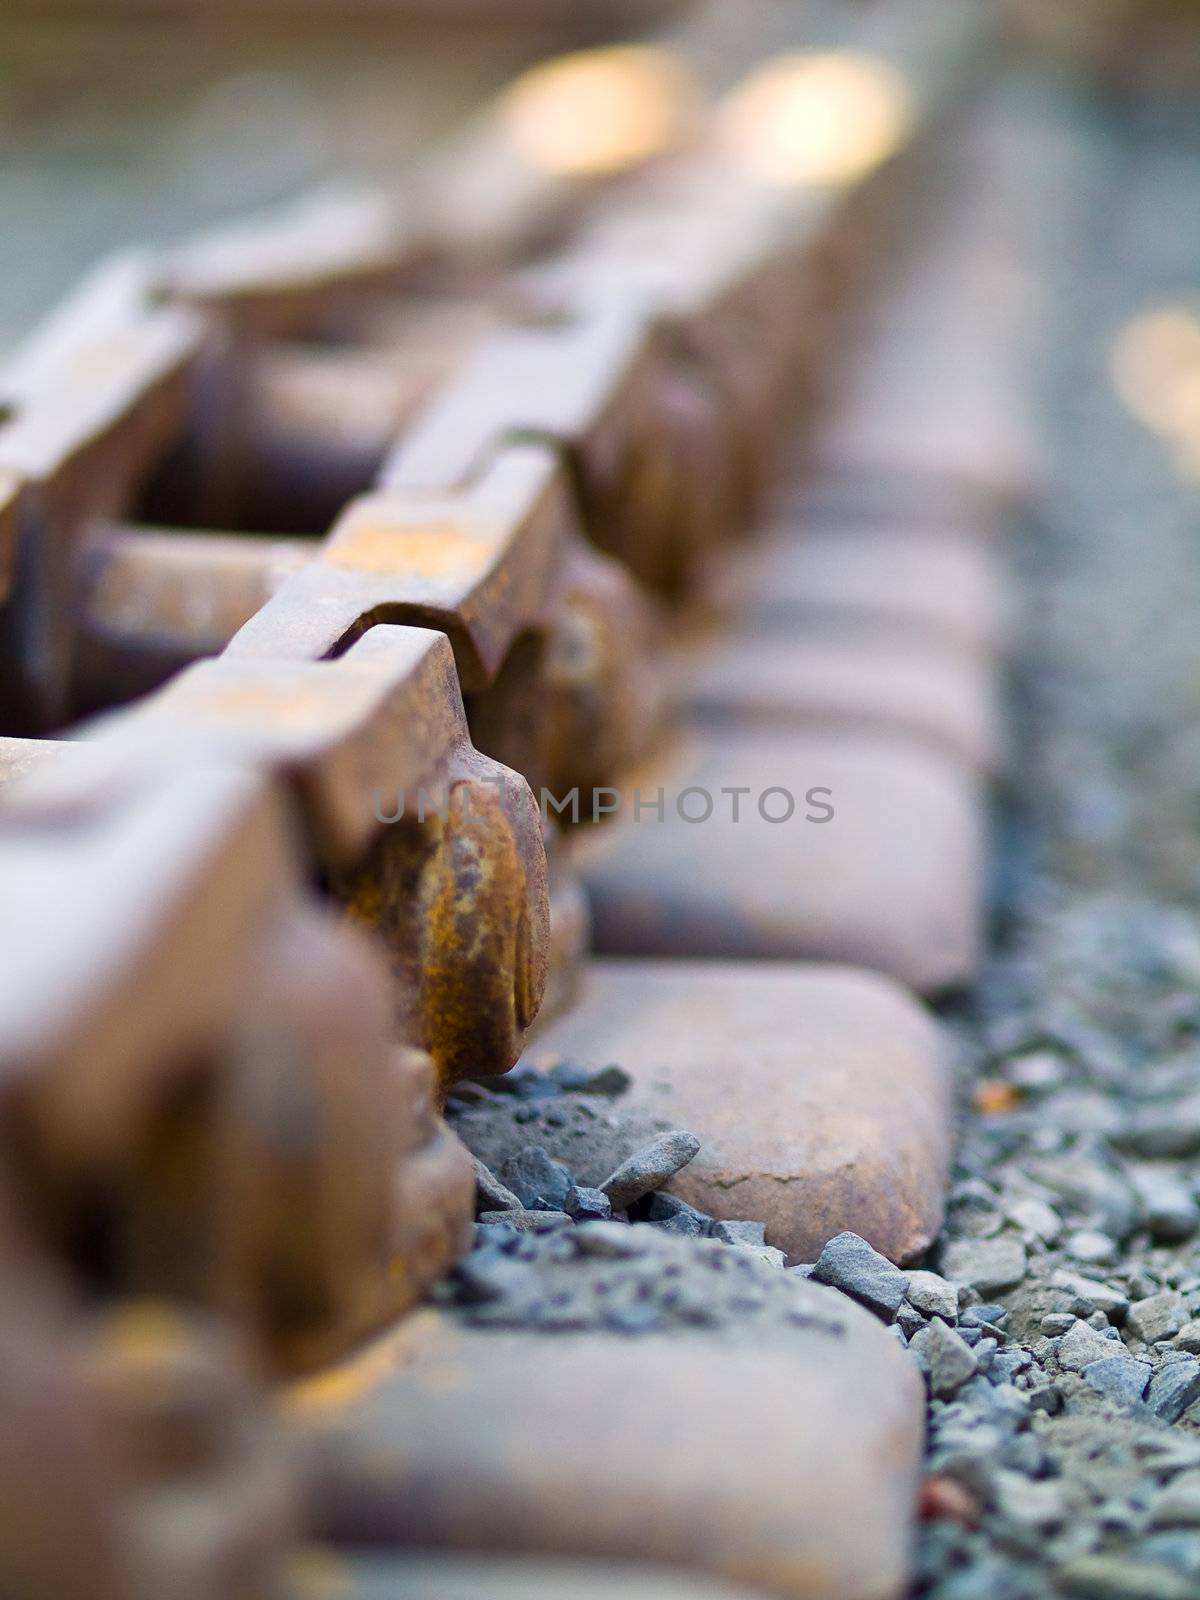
point(992, 1097)
point(277, 704)
point(944, 1499)
point(341, 1386)
point(439, 550)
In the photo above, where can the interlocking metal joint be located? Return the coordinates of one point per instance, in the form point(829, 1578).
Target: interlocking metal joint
point(353, 531)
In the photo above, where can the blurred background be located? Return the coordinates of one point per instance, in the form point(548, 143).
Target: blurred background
point(131, 120)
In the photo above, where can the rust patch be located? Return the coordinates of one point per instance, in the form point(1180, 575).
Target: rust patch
point(993, 1097)
point(434, 550)
point(253, 703)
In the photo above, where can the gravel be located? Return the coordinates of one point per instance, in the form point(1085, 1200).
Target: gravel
point(490, 1193)
point(538, 1182)
point(1119, 1378)
point(526, 1221)
point(986, 1265)
point(932, 1295)
point(747, 1233)
point(949, 1360)
point(587, 1205)
point(649, 1168)
point(1174, 1387)
point(1158, 1317)
point(575, 1077)
point(850, 1264)
point(540, 1194)
point(631, 1280)
point(1079, 1172)
point(1082, 1345)
point(1178, 1505)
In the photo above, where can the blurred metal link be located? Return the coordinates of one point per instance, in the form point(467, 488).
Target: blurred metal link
point(200, 1097)
point(645, 379)
point(85, 409)
point(638, 392)
point(125, 1433)
point(190, 1444)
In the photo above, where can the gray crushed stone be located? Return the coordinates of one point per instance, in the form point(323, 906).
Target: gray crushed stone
point(850, 1264)
point(1088, 1011)
point(628, 1279)
point(649, 1168)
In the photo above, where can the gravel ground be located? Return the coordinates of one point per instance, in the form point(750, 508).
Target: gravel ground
point(1069, 1463)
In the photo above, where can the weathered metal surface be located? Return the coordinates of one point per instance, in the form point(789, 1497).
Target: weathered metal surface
point(295, 265)
point(85, 412)
point(828, 677)
point(319, 1572)
point(18, 756)
point(188, 1443)
point(431, 844)
point(60, 1535)
point(817, 844)
point(160, 1052)
point(154, 600)
point(841, 1121)
point(676, 1421)
point(589, 387)
point(124, 1433)
point(200, 857)
point(551, 643)
point(458, 404)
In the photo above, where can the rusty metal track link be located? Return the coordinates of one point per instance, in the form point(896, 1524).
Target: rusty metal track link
point(477, 470)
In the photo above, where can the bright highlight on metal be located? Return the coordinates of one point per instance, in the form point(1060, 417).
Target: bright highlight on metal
point(598, 111)
point(816, 118)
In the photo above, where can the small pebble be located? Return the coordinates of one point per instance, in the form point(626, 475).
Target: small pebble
point(850, 1264)
point(933, 1295)
point(614, 1240)
point(587, 1205)
point(1118, 1378)
point(526, 1221)
point(649, 1168)
point(951, 1360)
point(490, 1193)
point(753, 1233)
point(1174, 1387)
point(574, 1077)
point(988, 1265)
point(1090, 1246)
point(1178, 1504)
point(1105, 1577)
point(986, 1314)
point(1114, 1303)
point(1159, 1316)
point(533, 1176)
point(1036, 1219)
point(675, 1215)
point(1081, 1345)
point(1031, 1503)
point(1055, 1323)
